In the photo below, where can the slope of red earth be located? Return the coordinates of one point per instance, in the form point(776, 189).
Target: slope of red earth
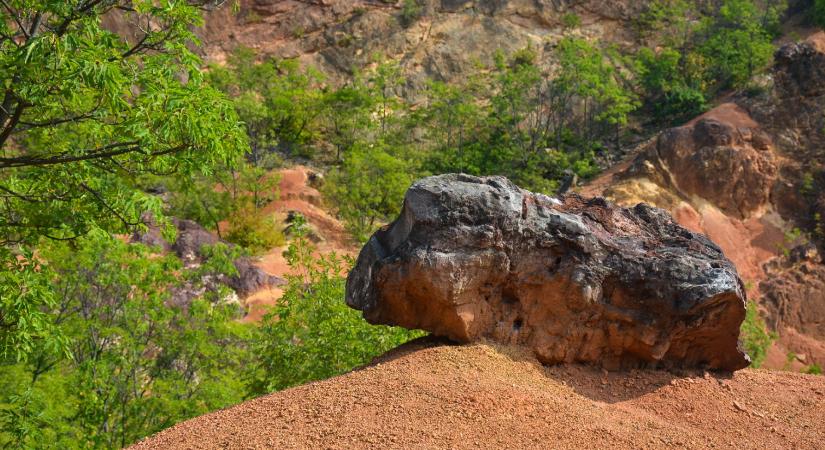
point(296, 195)
point(428, 394)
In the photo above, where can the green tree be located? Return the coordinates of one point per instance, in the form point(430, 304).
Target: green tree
point(84, 111)
point(666, 86)
point(277, 100)
point(368, 188)
point(593, 83)
point(817, 13)
point(527, 124)
point(144, 353)
point(347, 116)
point(312, 334)
point(738, 42)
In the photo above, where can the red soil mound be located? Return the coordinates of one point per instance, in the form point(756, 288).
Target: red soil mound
point(427, 395)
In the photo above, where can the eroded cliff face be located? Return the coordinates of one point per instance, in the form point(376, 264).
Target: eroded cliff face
point(746, 174)
point(715, 175)
point(445, 40)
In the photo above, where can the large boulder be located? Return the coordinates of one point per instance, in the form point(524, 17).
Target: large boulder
point(576, 280)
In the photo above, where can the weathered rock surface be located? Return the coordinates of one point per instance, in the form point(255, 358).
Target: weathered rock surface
point(716, 158)
point(745, 174)
point(189, 245)
point(444, 41)
point(793, 297)
point(575, 280)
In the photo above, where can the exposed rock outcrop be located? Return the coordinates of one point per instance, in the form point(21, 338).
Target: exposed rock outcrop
point(575, 280)
point(745, 174)
point(792, 111)
point(717, 159)
point(189, 245)
point(793, 297)
point(441, 39)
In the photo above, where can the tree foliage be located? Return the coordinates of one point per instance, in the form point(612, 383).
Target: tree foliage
point(702, 51)
point(83, 112)
point(817, 13)
point(738, 41)
point(536, 125)
point(369, 187)
point(277, 100)
point(142, 356)
point(311, 334)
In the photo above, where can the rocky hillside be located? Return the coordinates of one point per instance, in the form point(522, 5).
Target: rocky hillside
point(432, 395)
point(748, 175)
point(437, 39)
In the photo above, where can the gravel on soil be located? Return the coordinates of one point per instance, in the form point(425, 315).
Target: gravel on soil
point(429, 394)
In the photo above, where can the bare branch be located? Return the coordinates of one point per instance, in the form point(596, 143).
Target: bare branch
point(15, 17)
point(102, 201)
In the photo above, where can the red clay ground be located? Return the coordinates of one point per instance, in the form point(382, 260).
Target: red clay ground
point(431, 395)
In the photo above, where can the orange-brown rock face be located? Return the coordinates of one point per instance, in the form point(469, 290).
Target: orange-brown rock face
point(716, 176)
point(717, 159)
point(574, 280)
point(793, 296)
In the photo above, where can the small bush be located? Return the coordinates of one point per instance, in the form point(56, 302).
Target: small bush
point(254, 230)
point(411, 11)
point(755, 336)
point(252, 18)
point(312, 334)
point(814, 369)
point(571, 20)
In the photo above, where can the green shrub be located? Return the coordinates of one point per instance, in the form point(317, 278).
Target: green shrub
point(739, 42)
point(411, 10)
point(571, 20)
point(665, 85)
point(817, 13)
point(139, 362)
point(368, 188)
point(254, 230)
point(755, 336)
point(312, 334)
point(814, 369)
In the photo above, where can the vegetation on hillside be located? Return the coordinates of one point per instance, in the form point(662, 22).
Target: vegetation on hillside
point(817, 13)
point(311, 334)
point(698, 55)
point(755, 336)
point(83, 112)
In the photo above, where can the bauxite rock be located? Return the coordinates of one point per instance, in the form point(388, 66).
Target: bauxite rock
point(575, 280)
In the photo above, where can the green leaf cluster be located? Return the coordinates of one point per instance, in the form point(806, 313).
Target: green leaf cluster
point(84, 113)
point(526, 123)
point(701, 52)
point(754, 335)
point(142, 356)
point(817, 13)
point(312, 334)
